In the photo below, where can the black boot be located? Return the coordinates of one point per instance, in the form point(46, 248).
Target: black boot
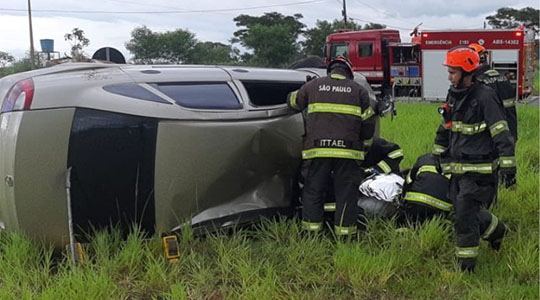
point(496, 238)
point(467, 264)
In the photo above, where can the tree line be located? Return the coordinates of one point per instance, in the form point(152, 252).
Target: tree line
point(270, 40)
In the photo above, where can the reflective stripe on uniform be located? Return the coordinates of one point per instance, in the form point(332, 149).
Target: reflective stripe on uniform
point(395, 154)
point(438, 149)
point(507, 161)
point(466, 252)
point(431, 169)
point(461, 168)
point(509, 102)
point(492, 73)
point(498, 128)
point(427, 168)
point(335, 108)
point(292, 99)
point(468, 129)
point(368, 113)
point(343, 230)
point(384, 167)
point(338, 76)
point(330, 206)
point(368, 143)
point(491, 227)
point(428, 200)
point(312, 226)
point(333, 152)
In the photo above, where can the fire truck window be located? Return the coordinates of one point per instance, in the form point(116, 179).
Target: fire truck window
point(339, 50)
point(404, 55)
point(365, 49)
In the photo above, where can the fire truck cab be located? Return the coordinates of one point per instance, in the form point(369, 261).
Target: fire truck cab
point(366, 49)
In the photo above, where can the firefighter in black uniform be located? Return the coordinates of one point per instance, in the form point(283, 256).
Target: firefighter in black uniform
point(383, 157)
point(473, 142)
point(425, 195)
point(338, 121)
point(506, 93)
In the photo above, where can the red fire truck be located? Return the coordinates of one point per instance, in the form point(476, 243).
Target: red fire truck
point(414, 71)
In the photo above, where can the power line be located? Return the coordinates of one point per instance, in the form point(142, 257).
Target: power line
point(160, 12)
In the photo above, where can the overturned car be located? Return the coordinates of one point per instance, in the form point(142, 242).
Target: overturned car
point(90, 145)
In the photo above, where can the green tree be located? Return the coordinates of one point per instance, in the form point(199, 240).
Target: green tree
point(272, 38)
point(373, 26)
point(511, 18)
point(210, 53)
point(150, 47)
point(5, 58)
point(78, 41)
point(17, 66)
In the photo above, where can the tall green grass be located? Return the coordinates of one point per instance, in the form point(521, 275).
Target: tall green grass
point(274, 260)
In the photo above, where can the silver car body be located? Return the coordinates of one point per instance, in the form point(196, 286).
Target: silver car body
point(151, 145)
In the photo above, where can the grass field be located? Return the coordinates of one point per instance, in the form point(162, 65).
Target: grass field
point(274, 261)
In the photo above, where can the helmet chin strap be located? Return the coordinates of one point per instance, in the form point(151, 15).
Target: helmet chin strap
point(461, 83)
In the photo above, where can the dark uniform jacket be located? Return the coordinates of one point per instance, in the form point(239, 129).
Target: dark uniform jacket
point(477, 139)
point(338, 117)
point(506, 93)
point(426, 186)
point(383, 156)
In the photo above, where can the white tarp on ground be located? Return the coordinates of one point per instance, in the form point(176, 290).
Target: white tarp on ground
point(385, 187)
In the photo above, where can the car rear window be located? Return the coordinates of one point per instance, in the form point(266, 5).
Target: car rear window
point(209, 95)
point(267, 93)
point(133, 90)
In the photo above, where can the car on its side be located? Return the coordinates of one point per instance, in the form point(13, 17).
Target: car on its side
point(157, 145)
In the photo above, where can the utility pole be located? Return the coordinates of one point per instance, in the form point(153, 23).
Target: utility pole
point(32, 58)
point(343, 12)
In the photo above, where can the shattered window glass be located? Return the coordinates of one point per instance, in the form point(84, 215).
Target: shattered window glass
point(267, 93)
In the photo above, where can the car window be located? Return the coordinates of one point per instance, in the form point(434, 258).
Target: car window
point(204, 95)
point(133, 90)
point(266, 93)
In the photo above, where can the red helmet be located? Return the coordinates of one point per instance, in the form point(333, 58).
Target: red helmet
point(340, 62)
point(464, 58)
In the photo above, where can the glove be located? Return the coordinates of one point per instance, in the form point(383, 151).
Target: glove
point(371, 171)
point(508, 179)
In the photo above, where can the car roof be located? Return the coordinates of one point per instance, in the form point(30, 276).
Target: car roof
point(82, 84)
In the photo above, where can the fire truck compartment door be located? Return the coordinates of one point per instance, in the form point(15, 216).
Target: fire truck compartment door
point(434, 75)
point(504, 56)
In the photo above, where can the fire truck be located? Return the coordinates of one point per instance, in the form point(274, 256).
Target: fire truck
point(414, 71)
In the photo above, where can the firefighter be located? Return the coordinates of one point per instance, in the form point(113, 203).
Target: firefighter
point(338, 121)
point(472, 142)
point(424, 192)
point(506, 93)
point(383, 157)
point(425, 195)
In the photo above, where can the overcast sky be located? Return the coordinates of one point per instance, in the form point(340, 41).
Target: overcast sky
point(110, 22)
